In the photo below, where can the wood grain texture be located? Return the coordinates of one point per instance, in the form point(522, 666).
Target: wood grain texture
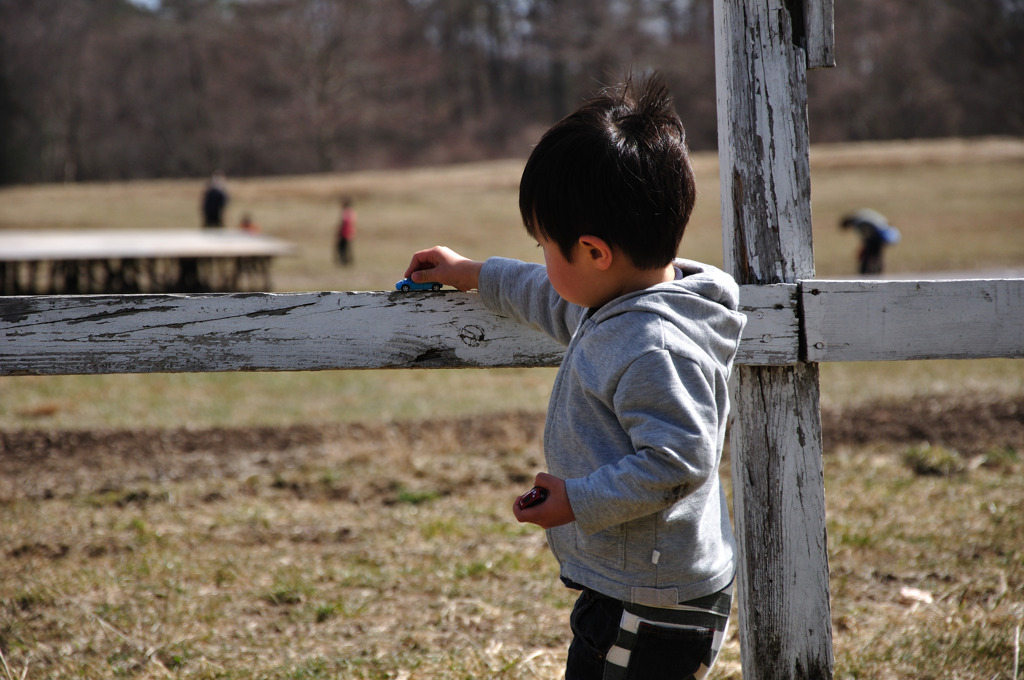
point(764, 161)
point(260, 332)
point(903, 320)
point(779, 517)
point(51, 335)
point(772, 334)
point(777, 471)
point(819, 19)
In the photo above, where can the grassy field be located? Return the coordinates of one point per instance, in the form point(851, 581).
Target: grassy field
point(378, 542)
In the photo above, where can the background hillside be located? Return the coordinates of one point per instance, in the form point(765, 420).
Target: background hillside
point(108, 89)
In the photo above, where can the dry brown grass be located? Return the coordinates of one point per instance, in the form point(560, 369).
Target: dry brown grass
point(388, 552)
point(927, 570)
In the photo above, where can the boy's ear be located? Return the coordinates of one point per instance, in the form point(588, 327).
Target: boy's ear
point(597, 251)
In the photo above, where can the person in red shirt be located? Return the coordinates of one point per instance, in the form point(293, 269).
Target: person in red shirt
point(346, 232)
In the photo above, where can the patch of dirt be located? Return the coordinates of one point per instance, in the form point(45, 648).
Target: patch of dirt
point(57, 463)
point(51, 463)
point(970, 424)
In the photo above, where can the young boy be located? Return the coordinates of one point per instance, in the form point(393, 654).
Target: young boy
point(634, 510)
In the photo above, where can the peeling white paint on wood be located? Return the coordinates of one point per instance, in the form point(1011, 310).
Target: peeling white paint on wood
point(261, 332)
point(902, 320)
point(777, 470)
point(779, 518)
point(764, 160)
point(772, 334)
point(819, 19)
point(51, 335)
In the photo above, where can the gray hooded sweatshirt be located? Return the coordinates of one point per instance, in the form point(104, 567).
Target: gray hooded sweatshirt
point(635, 427)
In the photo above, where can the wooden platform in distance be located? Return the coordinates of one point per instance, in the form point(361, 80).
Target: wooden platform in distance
point(151, 261)
point(23, 246)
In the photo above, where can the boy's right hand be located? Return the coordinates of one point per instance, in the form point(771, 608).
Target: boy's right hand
point(445, 266)
point(555, 510)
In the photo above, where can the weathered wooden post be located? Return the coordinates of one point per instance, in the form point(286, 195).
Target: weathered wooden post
point(763, 49)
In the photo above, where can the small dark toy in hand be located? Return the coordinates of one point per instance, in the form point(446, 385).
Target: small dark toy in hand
point(532, 497)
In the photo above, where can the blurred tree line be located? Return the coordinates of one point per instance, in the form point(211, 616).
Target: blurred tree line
point(110, 89)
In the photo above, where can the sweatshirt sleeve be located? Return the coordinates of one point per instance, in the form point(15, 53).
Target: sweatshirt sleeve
point(521, 291)
point(672, 424)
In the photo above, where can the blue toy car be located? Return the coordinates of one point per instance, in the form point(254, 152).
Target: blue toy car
point(405, 285)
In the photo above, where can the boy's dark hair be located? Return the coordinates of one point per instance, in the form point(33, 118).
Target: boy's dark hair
point(617, 168)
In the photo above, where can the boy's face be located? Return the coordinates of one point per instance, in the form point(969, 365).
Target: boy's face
point(573, 281)
point(597, 273)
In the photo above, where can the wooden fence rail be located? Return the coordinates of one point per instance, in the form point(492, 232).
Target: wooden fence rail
point(897, 320)
point(830, 320)
point(46, 335)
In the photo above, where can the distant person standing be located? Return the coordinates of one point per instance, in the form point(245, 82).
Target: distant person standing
point(346, 232)
point(875, 233)
point(215, 199)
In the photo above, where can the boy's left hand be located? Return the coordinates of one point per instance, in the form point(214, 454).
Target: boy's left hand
point(554, 511)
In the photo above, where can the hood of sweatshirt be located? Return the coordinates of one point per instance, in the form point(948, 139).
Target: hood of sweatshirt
point(703, 303)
